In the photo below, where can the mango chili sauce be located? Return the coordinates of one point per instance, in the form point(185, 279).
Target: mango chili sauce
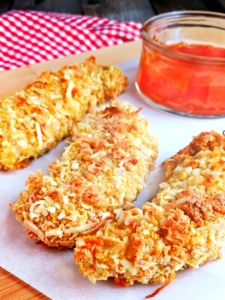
point(189, 86)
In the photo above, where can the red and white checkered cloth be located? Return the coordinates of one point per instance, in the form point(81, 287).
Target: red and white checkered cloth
point(29, 37)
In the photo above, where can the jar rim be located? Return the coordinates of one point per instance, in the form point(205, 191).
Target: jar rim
point(170, 52)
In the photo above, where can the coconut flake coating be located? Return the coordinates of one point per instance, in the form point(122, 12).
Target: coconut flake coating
point(34, 120)
point(104, 168)
point(184, 226)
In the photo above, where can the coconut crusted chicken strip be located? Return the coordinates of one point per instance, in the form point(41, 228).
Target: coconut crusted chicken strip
point(184, 226)
point(34, 120)
point(104, 167)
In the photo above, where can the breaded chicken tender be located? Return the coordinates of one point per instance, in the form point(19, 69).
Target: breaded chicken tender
point(34, 120)
point(184, 226)
point(104, 168)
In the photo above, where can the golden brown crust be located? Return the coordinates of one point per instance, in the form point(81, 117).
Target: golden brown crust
point(104, 167)
point(205, 140)
point(184, 226)
point(36, 119)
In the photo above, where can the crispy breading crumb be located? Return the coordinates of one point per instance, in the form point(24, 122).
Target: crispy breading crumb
point(103, 168)
point(184, 226)
point(34, 120)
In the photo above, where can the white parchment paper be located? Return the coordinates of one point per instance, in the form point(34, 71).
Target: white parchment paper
point(54, 273)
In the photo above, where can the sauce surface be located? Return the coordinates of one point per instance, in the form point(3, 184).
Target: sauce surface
point(198, 50)
point(184, 86)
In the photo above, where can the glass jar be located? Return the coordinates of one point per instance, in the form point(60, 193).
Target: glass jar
point(182, 65)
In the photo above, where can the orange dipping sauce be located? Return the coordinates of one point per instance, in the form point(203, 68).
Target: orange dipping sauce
point(198, 50)
point(193, 87)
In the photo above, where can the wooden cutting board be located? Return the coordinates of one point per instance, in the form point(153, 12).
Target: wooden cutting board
point(11, 287)
point(15, 80)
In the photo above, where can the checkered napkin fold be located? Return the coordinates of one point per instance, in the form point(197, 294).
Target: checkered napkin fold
point(29, 37)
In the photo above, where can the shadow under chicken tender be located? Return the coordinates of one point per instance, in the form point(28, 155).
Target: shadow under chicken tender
point(104, 167)
point(34, 120)
point(184, 226)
